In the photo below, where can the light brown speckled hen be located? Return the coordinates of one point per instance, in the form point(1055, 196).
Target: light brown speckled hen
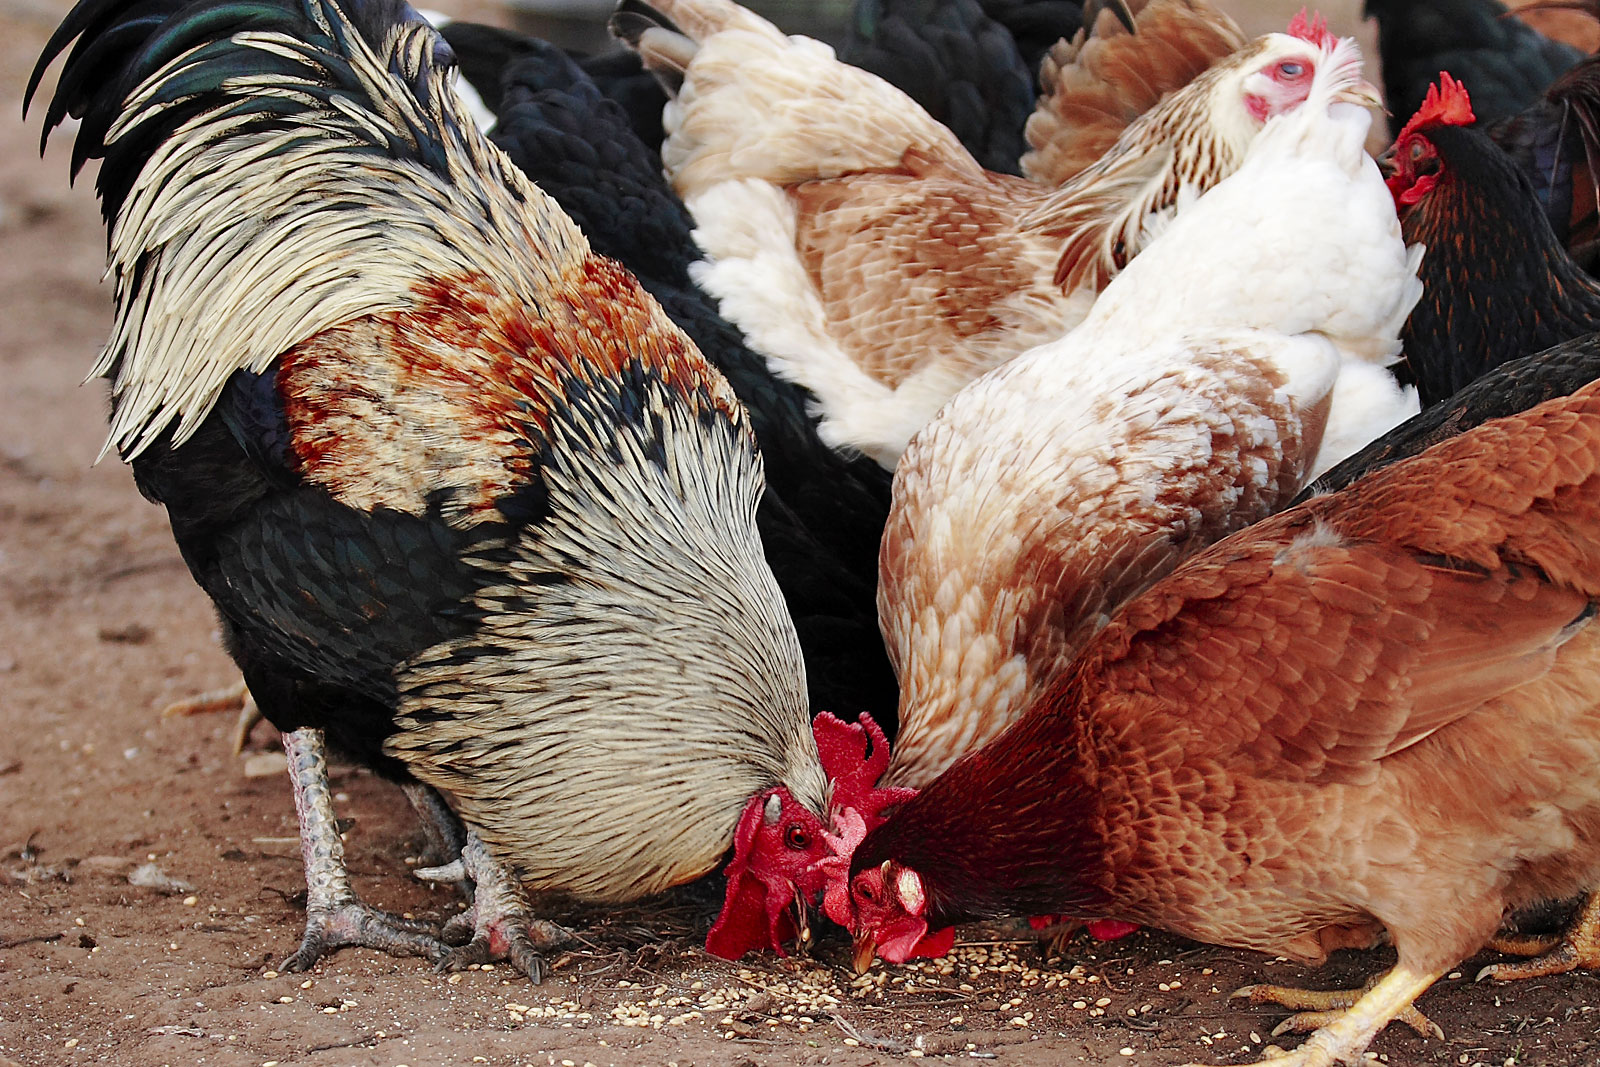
point(867, 254)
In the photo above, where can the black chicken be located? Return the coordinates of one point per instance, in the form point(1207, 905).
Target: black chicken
point(467, 503)
point(1505, 62)
point(1496, 282)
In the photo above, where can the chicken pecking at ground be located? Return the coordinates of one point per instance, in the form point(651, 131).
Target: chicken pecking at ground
point(1052, 489)
point(1371, 715)
point(470, 508)
point(1497, 284)
point(866, 253)
point(1119, 66)
point(821, 516)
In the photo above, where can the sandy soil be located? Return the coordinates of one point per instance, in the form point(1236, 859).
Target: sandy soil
point(100, 625)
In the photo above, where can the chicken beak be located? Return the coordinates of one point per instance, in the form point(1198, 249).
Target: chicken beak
point(866, 952)
point(1363, 93)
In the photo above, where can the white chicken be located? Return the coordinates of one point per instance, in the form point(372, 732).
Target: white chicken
point(866, 253)
point(1052, 489)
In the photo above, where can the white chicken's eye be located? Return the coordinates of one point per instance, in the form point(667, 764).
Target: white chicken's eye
point(1289, 69)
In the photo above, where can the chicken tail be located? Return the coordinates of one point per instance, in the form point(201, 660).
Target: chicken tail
point(766, 106)
point(1112, 72)
point(263, 161)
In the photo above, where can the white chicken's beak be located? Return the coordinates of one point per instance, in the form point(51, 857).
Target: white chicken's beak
point(1363, 94)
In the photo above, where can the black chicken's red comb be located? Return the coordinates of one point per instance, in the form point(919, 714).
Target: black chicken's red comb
point(855, 755)
point(1447, 104)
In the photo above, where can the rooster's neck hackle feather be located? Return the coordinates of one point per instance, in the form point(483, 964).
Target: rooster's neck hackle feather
point(280, 230)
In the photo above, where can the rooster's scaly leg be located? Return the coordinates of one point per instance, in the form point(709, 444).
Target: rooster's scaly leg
point(1316, 1008)
point(1578, 948)
point(335, 917)
point(1346, 1036)
point(501, 924)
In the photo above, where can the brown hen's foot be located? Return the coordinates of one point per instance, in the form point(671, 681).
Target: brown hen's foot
point(1316, 1008)
point(335, 917)
point(498, 921)
point(1578, 948)
point(1347, 1036)
point(227, 699)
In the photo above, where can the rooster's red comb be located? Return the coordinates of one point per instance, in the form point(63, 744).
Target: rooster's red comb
point(1447, 104)
point(855, 755)
point(1313, 28)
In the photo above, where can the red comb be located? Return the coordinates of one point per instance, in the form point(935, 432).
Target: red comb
point(855, 755)
point(1447, 104)
point(1313, 28)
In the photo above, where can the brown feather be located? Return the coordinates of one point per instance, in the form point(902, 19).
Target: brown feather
point(1105, 77)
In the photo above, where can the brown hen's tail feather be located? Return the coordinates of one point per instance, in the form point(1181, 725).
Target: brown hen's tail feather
point(1095, 85)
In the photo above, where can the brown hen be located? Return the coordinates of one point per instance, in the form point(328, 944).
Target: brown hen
point(1373, 714)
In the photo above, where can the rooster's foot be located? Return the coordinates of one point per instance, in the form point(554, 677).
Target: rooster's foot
point(499, 922)
point(353, 923)
point(1316, 1008)
point(227, 699)
point(335, 917)
point(1578, 948)
point(1346, 1035)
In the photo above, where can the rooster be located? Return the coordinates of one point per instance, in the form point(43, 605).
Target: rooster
point(470, 508)
point(1497, 284)
point(865, 252)
point(1373, 714)
point(1115, 69)
point(1049, 491)
point(822, 514)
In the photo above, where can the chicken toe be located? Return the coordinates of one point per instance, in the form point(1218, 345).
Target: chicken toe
point(1349, 1032)
point(502, 926)
point(228, 698)
point(1316, 1008)
point(335, 917)
point(1578, 948)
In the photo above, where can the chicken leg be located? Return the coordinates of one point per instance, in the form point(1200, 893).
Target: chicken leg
point(1318, 1007)
point(335, 917)
point(500, 922)
point(1346, 1036)
point(1578, 948)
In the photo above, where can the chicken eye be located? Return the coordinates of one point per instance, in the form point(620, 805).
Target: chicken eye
point(1416, 150)
point(796, 838)
point(1290, 69)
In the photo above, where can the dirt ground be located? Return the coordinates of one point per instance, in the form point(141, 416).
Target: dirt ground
point(148, 877)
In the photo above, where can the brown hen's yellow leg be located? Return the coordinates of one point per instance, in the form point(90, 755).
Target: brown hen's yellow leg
point(1344, 1038)
point(1578, 948)
point(226, 699)
point(1317, 1008)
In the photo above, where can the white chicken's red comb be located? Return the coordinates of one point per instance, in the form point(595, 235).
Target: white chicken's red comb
point(1447, 104)
point(1313, 28)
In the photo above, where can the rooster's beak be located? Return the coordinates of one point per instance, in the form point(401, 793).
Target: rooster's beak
point(866, 952)
point(1364, 94)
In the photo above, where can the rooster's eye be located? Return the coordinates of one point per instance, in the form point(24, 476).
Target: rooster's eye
point(796, 838)
point(1290, 69)
point(1416, 150)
